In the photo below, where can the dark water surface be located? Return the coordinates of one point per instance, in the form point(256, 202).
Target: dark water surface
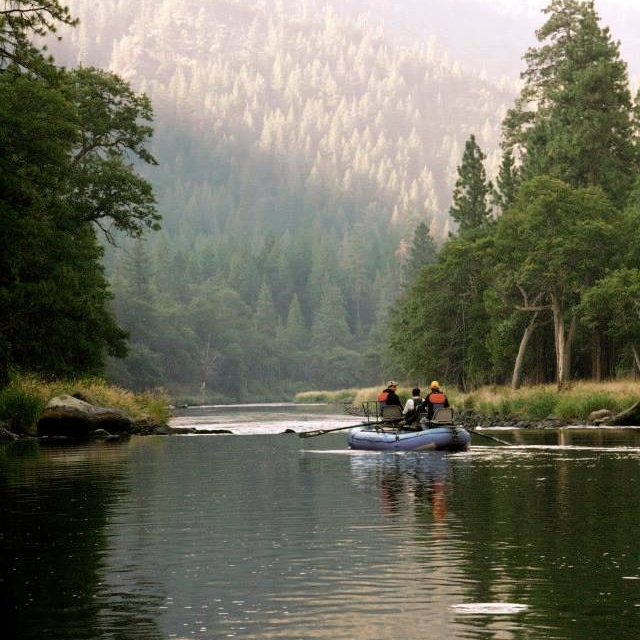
point(266, 535)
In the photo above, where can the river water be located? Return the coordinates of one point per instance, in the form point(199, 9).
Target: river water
point(262, 534)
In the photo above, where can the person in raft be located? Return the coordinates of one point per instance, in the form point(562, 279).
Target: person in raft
point(436, 399)
point(389, 396)
point(412, 407)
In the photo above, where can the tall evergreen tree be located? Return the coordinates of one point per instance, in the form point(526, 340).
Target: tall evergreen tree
point(573, 118)
point(439, 327)
point(422, 252)
point(508, 181)
point(471, 207)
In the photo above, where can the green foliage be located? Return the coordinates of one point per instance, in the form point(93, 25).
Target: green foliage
point(283, 167)
point(508, 182)
point(338, 397)
point(20, 410)
point(573, 119)
point(439, 327)
point(21, 18)
point(292, 196)
point(539, 402)
point(612, 304)
point(471, 207)
point(68, 142)
point(423, 251)
point(536, 406)
point(107, 191)
point(23, 400)
point(579, 407)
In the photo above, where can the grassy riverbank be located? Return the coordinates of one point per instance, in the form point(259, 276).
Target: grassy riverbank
point(22, 402)
point(529, 403)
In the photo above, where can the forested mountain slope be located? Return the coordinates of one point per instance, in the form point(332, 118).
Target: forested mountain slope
point(274, 108)
point(298, 152)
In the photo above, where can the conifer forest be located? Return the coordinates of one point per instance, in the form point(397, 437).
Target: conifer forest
point(250, 199)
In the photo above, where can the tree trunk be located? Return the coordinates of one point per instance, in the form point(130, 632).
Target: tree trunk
point(568, 346)
point(563, 340)
point(596, 359)
point(636, 357)
point(516, 378)
point(630, 416)
point(4, 363)
point(558, 339)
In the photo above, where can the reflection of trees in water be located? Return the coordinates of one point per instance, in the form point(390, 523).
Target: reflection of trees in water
point(54, 510)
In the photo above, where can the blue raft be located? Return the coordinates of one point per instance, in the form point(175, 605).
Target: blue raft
point(438, 438)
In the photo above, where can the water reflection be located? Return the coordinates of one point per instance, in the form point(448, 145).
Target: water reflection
point(406, 478)
point(570, 436)
point(273, 536)
point(54, 583)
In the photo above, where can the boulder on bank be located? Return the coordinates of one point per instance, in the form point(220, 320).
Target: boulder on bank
point(600, 416)
point(66, 416)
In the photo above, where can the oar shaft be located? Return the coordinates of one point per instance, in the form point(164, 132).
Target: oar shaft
point(484, 435)
point(319, 432)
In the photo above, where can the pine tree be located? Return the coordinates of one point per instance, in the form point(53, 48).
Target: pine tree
point(422, 252)
point(470, 208)
point(507, 183)
point(573, 119)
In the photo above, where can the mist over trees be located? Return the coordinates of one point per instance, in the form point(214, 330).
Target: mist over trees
point(299, 154)
point(313, 178)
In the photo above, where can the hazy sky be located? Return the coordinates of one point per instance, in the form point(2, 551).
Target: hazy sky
point(478, 46)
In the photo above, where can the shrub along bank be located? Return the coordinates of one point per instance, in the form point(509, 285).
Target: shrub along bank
point(528, 406)
point(24, 400)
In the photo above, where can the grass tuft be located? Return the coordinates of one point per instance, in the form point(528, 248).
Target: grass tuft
point(22, 402)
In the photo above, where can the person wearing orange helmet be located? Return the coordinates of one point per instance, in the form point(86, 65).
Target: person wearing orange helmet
point(436, 399)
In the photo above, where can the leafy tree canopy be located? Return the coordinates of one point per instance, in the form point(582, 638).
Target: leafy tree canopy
point(66, 164)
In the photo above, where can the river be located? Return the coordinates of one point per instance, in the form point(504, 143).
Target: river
point(262, 534)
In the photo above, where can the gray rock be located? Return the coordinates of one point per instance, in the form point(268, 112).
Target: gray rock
point(71, 417)
point(599, 416)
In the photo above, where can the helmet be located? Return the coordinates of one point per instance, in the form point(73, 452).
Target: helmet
point(435, 385)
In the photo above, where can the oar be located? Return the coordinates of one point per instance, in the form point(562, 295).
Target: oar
point(484, 435)
point(319, 432)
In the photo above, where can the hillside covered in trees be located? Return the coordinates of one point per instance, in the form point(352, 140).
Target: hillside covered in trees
point(314, 179)
point(297, 155)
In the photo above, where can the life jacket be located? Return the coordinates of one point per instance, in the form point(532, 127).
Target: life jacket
point(436, 399)
point(382, 397)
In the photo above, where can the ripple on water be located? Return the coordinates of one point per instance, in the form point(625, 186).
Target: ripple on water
point(489, 608)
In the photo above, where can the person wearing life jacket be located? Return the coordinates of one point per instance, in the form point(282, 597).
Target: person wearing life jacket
point(389, 395)
point(435, 399)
